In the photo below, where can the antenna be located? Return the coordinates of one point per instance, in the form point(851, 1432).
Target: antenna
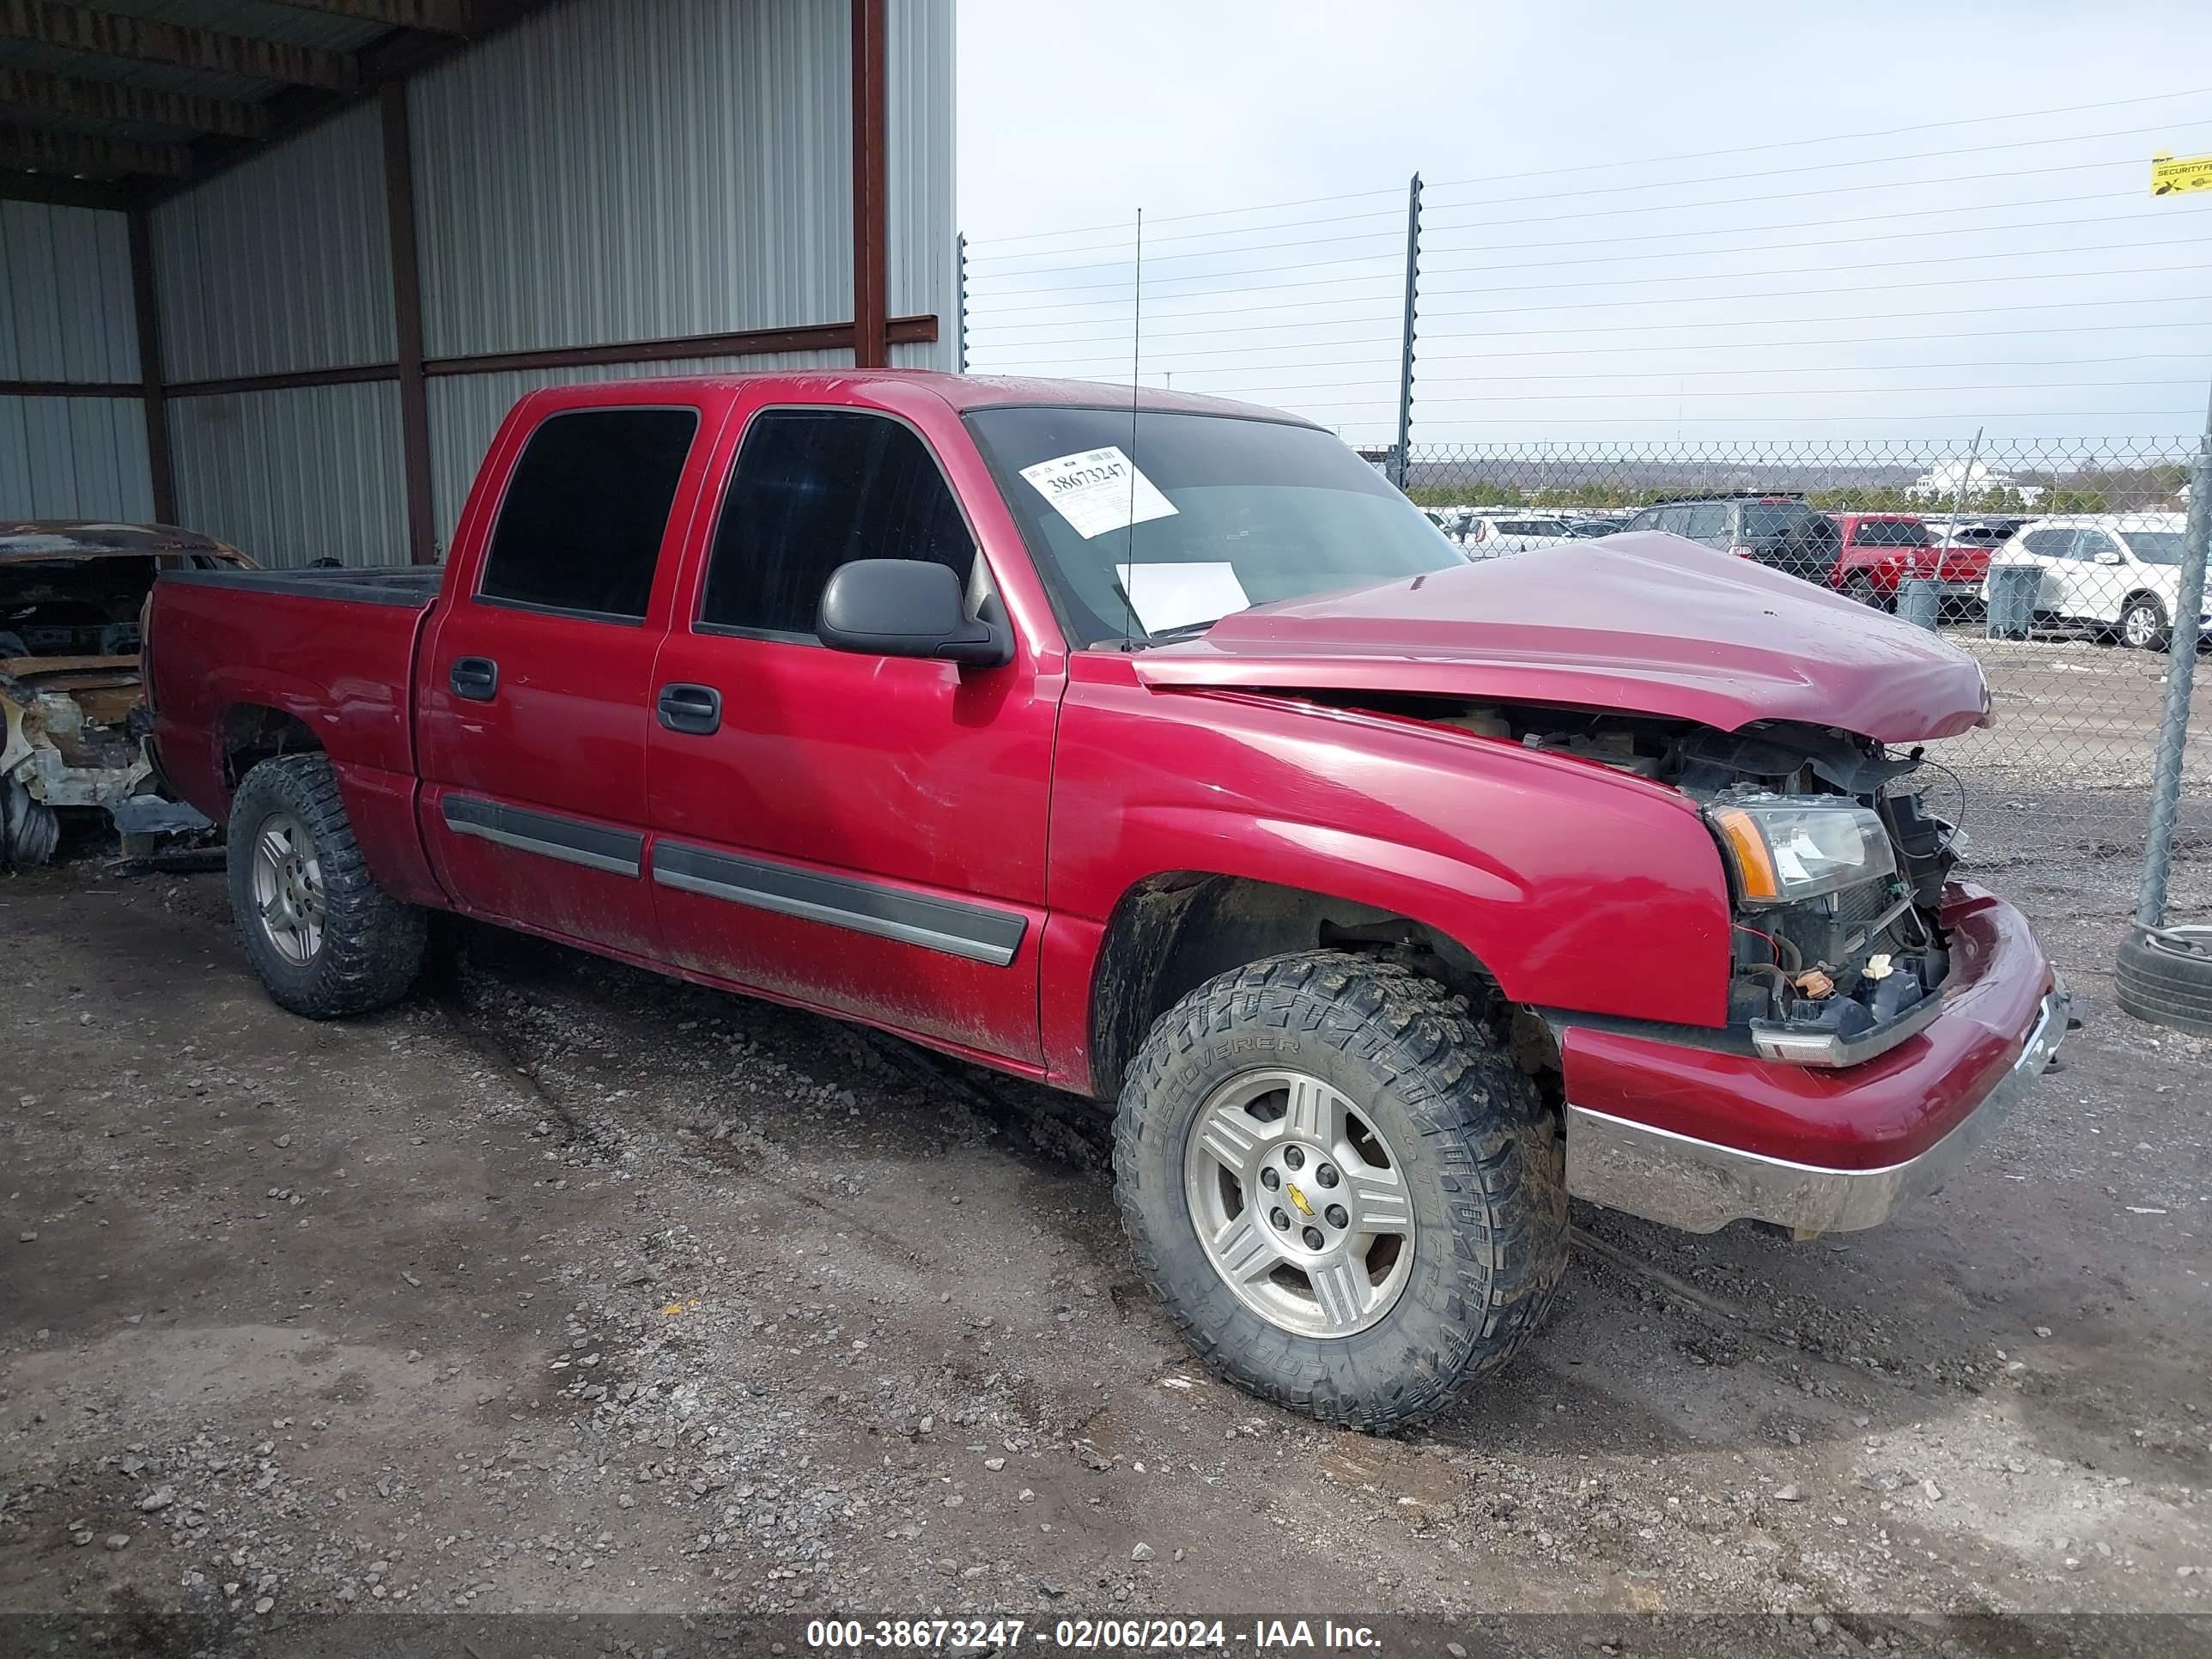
point(1136, 363)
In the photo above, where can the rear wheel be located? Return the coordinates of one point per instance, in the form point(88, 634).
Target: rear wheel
point(325, 938)
point(2143, 626)
point(1349, 1200)
point(1859, 585)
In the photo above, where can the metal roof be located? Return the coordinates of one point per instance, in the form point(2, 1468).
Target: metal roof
point(116, 103)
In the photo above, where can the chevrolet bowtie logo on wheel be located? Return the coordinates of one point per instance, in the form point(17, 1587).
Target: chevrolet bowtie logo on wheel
point(1297, 1198)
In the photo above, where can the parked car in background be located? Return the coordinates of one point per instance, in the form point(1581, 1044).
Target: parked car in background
point(1395, 898)
point(1881, 551)
point(1777, 531)
point(1492, 538)
point(71, 595)
point(2119, 573)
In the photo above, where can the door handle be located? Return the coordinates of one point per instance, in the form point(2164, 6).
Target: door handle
point(695, 710)
point(476, 678)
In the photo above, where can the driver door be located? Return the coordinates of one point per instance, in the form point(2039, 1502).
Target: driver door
point(860, 833)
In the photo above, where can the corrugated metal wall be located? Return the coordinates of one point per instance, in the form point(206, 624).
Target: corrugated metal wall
point(282, 263)
point(924, 242)
point(466, 411)
point(645, 171)
point(73, 458)
point(295, 476)
point(66, 314)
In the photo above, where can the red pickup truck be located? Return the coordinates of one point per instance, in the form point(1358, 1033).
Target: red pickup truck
point(1165, 754)
point(1881, 551)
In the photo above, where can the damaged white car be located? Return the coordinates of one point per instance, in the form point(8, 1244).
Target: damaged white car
point(71, 595)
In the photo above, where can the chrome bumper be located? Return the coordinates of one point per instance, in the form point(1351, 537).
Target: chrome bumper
point(1700, 1186)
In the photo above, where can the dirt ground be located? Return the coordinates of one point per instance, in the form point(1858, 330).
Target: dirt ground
point(566, 1289)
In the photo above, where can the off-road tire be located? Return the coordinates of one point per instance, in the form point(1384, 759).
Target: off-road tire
point(1483, 1158)
point(2167, 979)
point(2161, 631)
point(373, 944)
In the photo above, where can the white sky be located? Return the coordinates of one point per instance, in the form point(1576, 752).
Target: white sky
point(1633, 297)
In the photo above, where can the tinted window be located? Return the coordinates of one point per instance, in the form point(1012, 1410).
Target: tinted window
point(2156, 546)
point(1889, 532)
point(2048, 544)
point(581, 525)
point(1708, 522)
point(815, 488)
point(1786, 518)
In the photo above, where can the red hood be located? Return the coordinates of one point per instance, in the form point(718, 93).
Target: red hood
point(1648, 624)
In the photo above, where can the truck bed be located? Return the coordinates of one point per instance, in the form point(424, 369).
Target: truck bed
point(413, 585)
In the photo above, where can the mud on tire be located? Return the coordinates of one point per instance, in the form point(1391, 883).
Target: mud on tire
point(371, 944)
point(1481, 1158)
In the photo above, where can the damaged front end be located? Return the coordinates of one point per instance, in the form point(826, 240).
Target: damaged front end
point(74, 737)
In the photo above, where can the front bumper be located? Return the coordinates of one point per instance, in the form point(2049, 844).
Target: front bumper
point(1866, 1140)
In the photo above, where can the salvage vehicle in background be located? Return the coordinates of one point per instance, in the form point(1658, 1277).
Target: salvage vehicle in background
point(1494, 537)
point(2120, 573)
point(1169, 756)
point(71, 595)
point(1770, 528)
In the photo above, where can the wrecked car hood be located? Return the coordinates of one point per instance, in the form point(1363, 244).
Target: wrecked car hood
point(1644, 623)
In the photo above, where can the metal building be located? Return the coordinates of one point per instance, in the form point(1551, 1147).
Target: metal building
point(276, 270)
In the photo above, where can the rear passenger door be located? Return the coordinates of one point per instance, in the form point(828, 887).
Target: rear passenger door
point(2050, 550)
point(863, 834)
point(536, 687)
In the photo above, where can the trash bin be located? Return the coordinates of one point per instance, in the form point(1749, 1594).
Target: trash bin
point(2013, 590)
point(1920, 603)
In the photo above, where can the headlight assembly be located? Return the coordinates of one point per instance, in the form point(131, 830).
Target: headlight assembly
point(1785, 849)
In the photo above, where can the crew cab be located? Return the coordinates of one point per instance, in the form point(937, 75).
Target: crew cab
point(1163, 753)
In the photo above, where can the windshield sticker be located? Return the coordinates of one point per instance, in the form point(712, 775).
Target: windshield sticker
point(1098, 490)
point(1166, 596)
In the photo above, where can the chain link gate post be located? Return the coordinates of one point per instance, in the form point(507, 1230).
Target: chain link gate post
point(2180, 681)
point(1401, 456)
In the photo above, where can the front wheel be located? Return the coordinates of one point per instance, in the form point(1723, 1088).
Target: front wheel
point(325, 938)
point(1350, 1200)
point(2143, 626)
point(1859, 585)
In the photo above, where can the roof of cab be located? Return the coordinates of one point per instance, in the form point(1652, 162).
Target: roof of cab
point(963, 392)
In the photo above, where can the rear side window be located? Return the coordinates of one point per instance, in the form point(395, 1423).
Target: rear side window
point(1708, 522)
point(1889, 532)
point(815, 488)
point(580, 528)
point(1788, 518)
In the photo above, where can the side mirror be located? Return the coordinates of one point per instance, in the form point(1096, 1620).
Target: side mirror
point(2110, 557)
point(907, 608)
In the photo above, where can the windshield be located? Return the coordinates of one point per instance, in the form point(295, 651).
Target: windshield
point(1229, 513)
point(2155, 546)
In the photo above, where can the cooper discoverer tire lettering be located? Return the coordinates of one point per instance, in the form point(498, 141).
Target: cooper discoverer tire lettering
point(1425, 1262)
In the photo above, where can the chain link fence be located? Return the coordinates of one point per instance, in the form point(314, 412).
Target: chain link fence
point(2055, 564)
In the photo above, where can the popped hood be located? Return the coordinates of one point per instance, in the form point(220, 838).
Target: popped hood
point(1644, 623)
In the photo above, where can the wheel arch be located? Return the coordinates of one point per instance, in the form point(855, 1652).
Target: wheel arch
point(251, 733)
point(1171, 931)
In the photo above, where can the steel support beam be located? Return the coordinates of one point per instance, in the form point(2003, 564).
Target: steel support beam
point(441, 16)
point(144, 40)
point(49, 150)
point(59, 190)
point(407, 309)
point(871, 227)
point(110, 101)
point(148, 308)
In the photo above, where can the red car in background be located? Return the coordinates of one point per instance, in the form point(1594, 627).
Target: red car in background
point(1879, 551)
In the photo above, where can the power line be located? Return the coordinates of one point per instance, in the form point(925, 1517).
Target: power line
point(1656, 185)
point(1917, 128)
point(1603, 305)
point(1493, 357)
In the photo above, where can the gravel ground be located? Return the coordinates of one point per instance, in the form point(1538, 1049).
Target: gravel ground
point(563, 1288)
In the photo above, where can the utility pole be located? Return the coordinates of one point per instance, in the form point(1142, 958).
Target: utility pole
point(1402, 458)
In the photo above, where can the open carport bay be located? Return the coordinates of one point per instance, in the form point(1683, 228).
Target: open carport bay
point(563, 1288)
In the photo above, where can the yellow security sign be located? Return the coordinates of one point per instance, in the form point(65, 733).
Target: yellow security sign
point(2178, 175)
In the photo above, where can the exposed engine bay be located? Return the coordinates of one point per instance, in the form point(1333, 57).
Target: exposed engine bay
point(1837, 866)
point(72, 725)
